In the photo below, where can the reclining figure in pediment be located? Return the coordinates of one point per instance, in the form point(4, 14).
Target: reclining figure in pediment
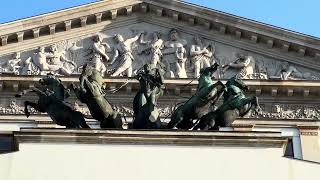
point(42, 62)
point(290, 72)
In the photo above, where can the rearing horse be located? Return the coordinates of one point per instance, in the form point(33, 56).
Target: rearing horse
point(146, 113)
point(207, 93)
point(235, 104)
point(90, 92)
point(51, 101)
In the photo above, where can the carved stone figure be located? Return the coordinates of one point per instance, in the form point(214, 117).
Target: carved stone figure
point(153, 48)
point(198, 105)
point(244, 65)
point(235, 104)
point(40, 64)
point(58, 62)
point(288, 71)
point(201, 56)
point(99, 55)
point(14, 65)
point(18, 66)
point(146, 114)
point(261, 71)
point(40, 61)
point(90, 92)
point(175, 55)
point(51, 100)
point(76, 53)
point(123, 54)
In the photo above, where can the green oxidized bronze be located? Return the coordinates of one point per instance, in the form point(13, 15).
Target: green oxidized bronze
point(91, 93)
point(235, 104)
point(146, 114)
point(51, 101)
point(198, 105)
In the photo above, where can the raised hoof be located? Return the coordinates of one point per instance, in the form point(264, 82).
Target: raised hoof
point(27, 114)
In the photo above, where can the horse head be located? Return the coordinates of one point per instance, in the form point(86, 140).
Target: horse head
point(209, 70)
point(237, 82)
point(54, 84)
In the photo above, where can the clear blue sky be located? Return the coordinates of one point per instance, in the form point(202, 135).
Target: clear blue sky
point(296, 15)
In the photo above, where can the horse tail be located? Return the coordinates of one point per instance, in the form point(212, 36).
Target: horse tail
point(80, 120)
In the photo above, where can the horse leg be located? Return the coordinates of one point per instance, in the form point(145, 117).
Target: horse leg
point(36, 106)
point(76, 120)
point(256, 103)
point(77, 91)
point(176, 118)
point(206, 122)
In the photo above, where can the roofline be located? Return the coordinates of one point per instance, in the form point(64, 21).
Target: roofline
point(248, 19)
point(179, 1)
point(51, 12)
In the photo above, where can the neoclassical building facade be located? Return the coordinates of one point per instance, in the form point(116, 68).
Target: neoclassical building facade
point(118, 37)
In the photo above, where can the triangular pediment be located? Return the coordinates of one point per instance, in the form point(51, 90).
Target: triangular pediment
point(72, 31)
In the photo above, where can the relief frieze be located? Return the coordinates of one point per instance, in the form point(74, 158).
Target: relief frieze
point(272, 111)
point(123, 51)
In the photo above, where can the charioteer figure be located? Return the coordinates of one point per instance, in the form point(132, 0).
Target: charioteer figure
point(146, 114)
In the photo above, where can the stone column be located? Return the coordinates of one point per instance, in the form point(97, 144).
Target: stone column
point(52, 28)
point(68, 25)
point(83, 21)
point(98, 17)
point(4, 40)
point(20, 36)
point(36, 32)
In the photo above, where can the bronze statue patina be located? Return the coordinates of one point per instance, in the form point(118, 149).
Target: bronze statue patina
point(146, 114)
point(91, 93)
point(198, 105)
point(235, 104)
point(51, 101)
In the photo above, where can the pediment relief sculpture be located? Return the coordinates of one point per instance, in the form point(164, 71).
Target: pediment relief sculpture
point(123, 51)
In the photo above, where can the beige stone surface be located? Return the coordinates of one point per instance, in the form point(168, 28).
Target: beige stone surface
point(77, 162)
point(310, 141)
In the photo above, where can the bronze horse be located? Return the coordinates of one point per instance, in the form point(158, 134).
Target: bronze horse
point(90, 92)
point(146, 114)
point(235, 104)
point(198, 105)
point(51, 101)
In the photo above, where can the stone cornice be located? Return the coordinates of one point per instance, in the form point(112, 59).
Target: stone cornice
point(294, 123)
point(65, 35)
point(63, 15)
point(150, 137)
point(42, 120)
point(239, 22)
point(273, 88)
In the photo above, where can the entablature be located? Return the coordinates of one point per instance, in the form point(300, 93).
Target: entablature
point(273, 88)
